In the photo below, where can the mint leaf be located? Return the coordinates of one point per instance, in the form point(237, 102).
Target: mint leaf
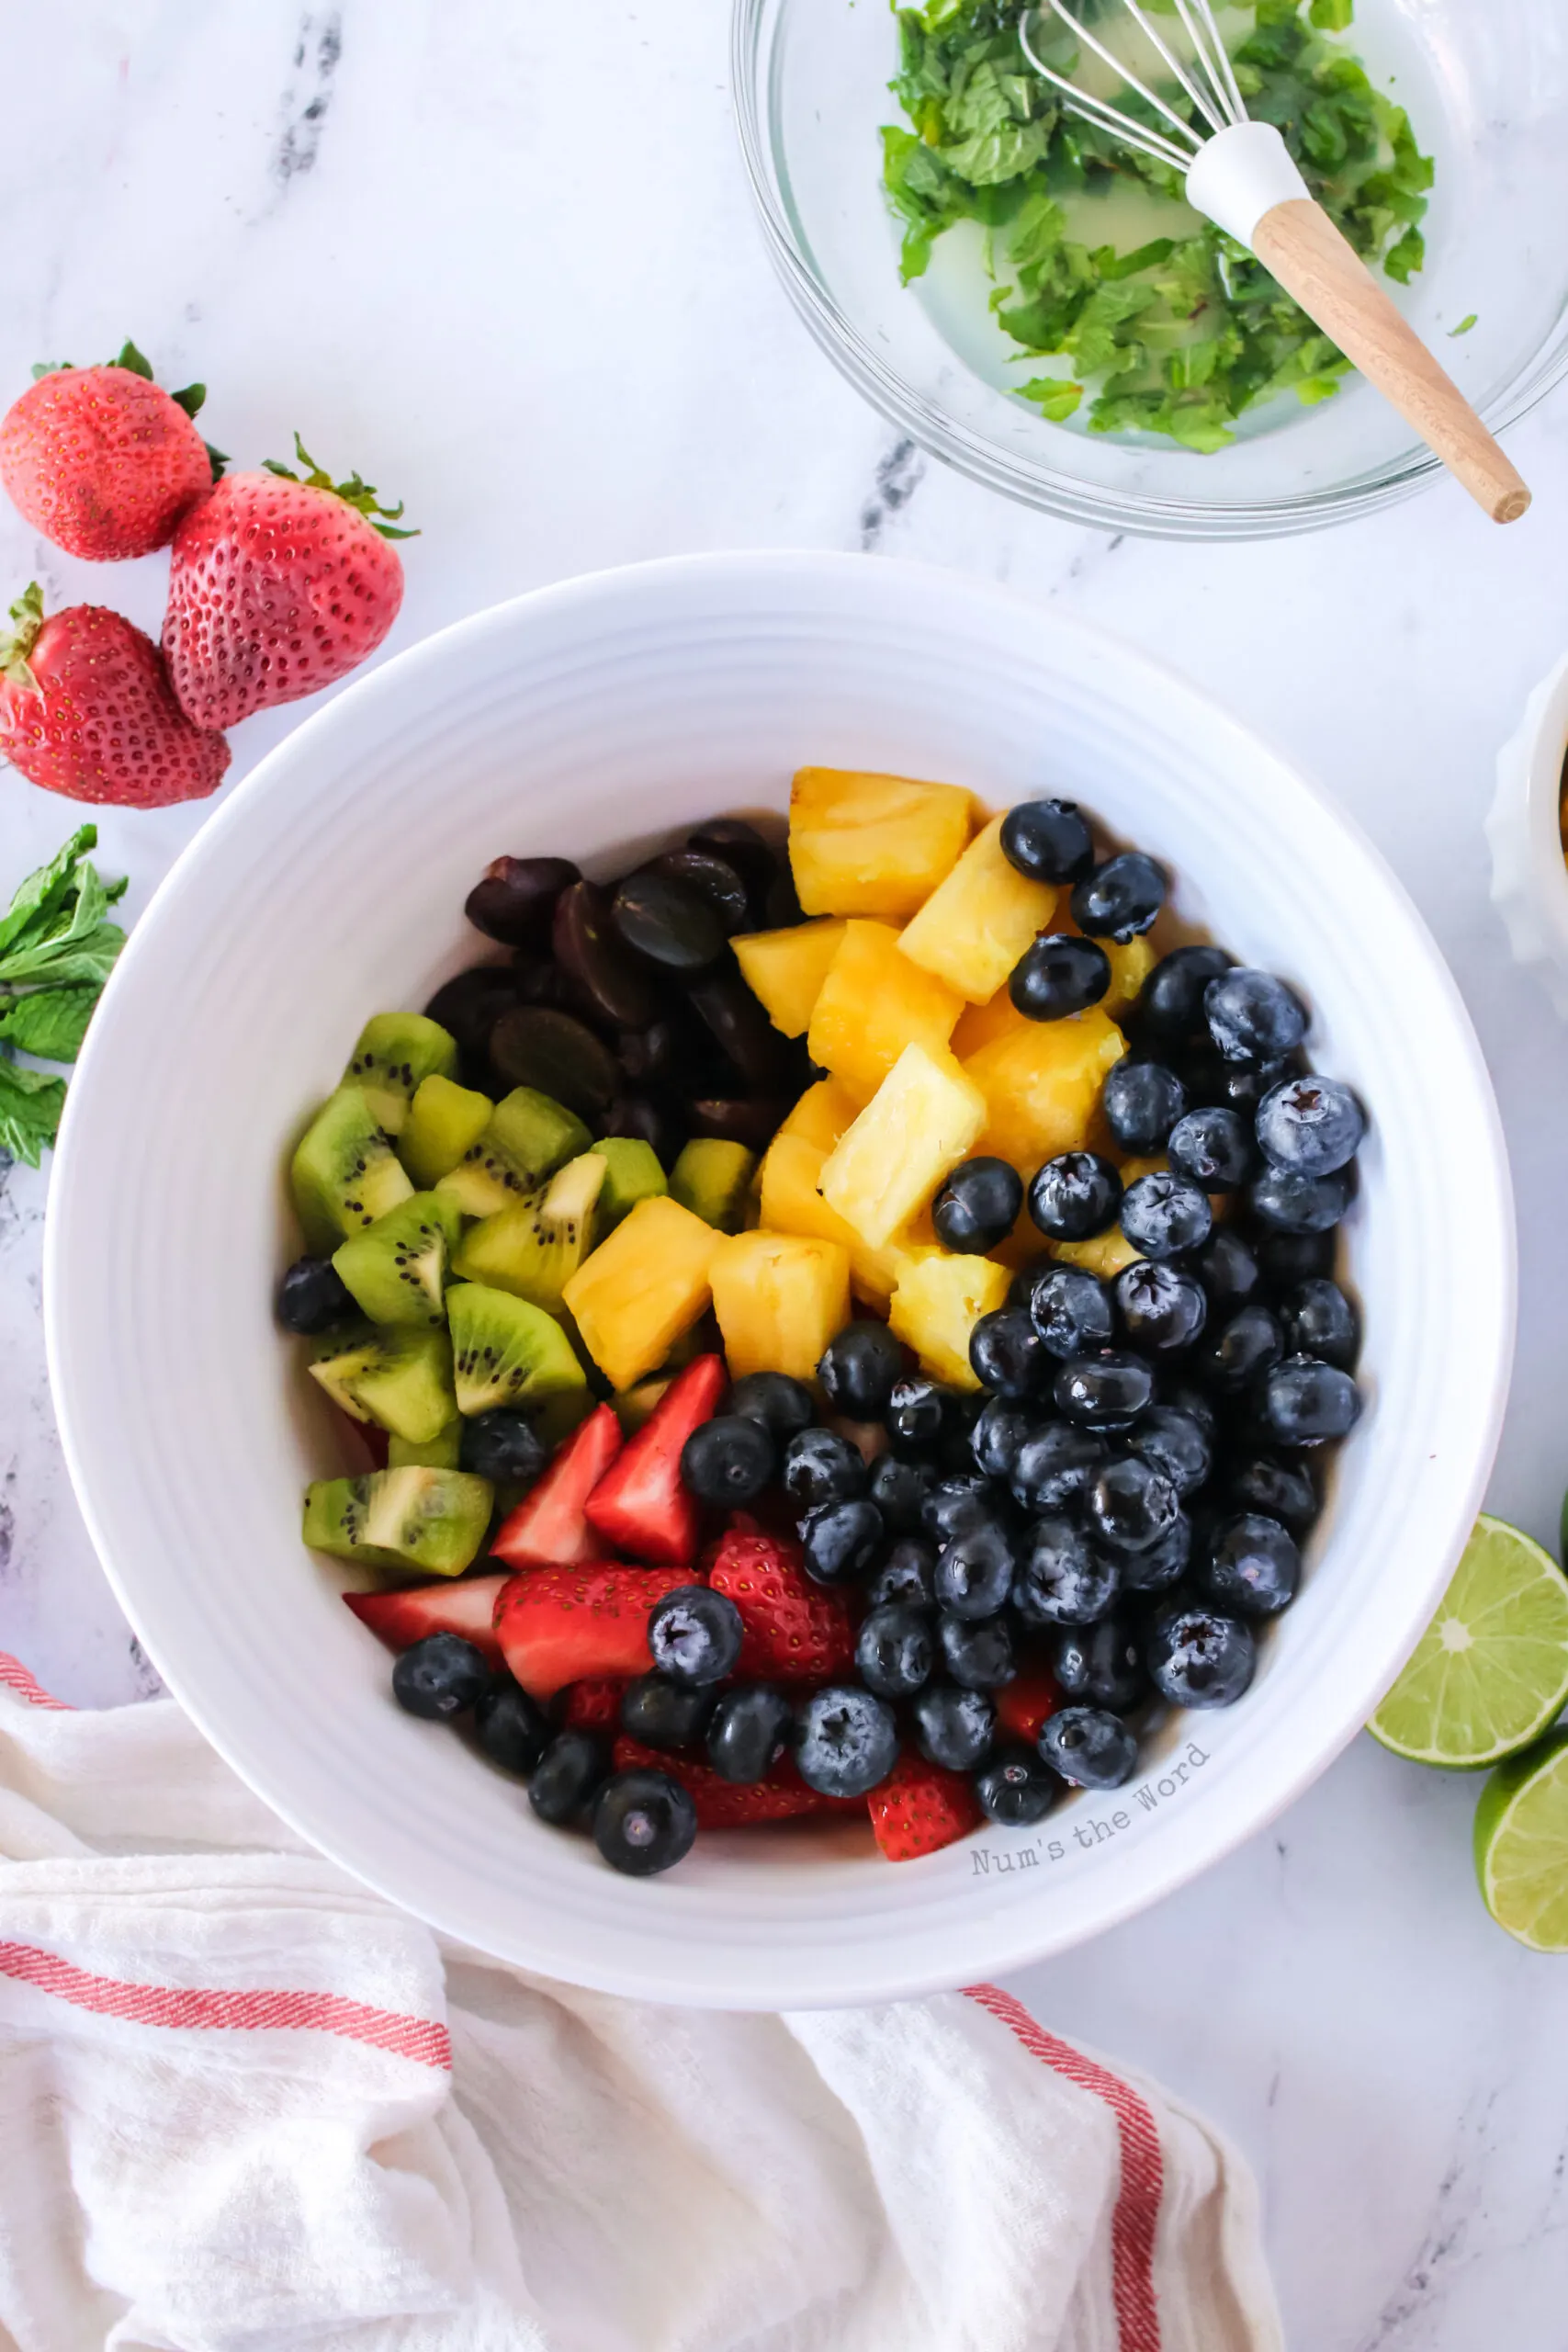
point(30, 1106)
point(1056, 396)
point(61, 962)
point(1332, 16)
point(42, 892)
point(1463, 327)
point(50, 1023)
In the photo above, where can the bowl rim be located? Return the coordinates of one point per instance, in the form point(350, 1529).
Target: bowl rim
point(1005, 1938)
point(1063, 494)
point(1524, 828)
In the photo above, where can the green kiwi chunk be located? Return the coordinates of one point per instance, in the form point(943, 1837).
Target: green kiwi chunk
point(395, 1052)
point(710, 1179)
point(507, 1351)
point(402, 1380)
point(415, 1518)
point(396, 1268)
point(528, 1139)
point(344, 1174)
point(634, 1405)
point(442, 1452)
point(632, 1173)
point(535, 1248)
point(444, 1119)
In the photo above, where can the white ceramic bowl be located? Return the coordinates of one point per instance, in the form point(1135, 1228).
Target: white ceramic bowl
point(1529, 878)
point(593, 718)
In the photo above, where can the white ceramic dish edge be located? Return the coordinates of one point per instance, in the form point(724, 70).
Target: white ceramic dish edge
point(1523, 826)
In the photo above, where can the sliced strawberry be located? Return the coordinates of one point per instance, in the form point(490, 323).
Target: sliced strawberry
point(592, 1706)
point(1023, 1704)
point(463, 1605)
point(722, 1804)
point(561, 1626)
point(639, 1504)
point(795, 1631)
point(921, 1807)
point(548, 1529)
point(369, 1442)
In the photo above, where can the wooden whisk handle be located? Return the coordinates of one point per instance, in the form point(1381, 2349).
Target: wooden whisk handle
point(1300, 245)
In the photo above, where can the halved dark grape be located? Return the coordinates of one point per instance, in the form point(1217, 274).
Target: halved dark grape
point(713, 877)
point(652, 1118)
point(471, 1005)
point(739, 1024)
point(742, 846)
point(516, 897)
point(781, 903)
point(584, 943)
point(555, 1052)
point(653, 1052)
point(754, 1122)
point(547, 983)
point(668, 923)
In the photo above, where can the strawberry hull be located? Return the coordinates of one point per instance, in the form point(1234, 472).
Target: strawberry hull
point(465, 1606)
point(640, 1506)
point(548, 1527)
point(561, 1626)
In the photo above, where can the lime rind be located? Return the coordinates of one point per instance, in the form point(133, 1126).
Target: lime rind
point(1522, 1845)
point(1490, 1674)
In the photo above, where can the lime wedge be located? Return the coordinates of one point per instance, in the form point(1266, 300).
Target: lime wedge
point(1522, 1845)
point(1491, 1670)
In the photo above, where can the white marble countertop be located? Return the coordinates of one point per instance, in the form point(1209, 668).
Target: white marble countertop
point(502, 259)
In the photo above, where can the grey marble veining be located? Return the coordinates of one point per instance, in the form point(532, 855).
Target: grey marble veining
point(500, 259)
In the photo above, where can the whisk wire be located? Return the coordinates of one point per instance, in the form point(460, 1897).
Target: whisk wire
point(1119, 121)
point(1213, 112)
point(1210, 84)
point(1212, 55)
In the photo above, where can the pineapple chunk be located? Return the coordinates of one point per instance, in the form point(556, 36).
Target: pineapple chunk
point(784, 969)
point(936, 1306)
point(640, 1289)
point(980, 1025)
point(871, 844)
point(822, 1113)
point(876, 1274)
point(1131, 963)
point(875, 1003)
point(791, 1197)
point(975, 925)
point(1042, 1085)
point(919, 1125)
point(1104, 1254)
point(779, 1299)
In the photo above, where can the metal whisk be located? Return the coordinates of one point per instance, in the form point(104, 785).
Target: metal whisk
point(1241, 175)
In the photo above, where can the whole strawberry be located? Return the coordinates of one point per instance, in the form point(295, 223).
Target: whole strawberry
point(85, 710)
point(102, 461)
point(278, 586)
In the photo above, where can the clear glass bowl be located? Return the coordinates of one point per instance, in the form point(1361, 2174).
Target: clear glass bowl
point(1487, 92)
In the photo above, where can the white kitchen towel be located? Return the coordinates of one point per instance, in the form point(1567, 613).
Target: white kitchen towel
point(246, 2106)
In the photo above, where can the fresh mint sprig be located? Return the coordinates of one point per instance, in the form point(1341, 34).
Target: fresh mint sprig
point(57, 948)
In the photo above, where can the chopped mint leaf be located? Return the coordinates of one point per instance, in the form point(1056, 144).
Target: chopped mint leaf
point(1056, 396)
point(50, 1023)
point(57, 948)
point(1332, 16)
point(30, 1106)
point(1463, 327)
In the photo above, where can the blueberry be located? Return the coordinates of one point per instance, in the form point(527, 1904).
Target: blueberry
point(1309, 1403)
point(1286, 1258)
point(1074, 1196)
point(974, 1569)
point(1290, 1204)
point(749, 1731)
point(782, 1404)
point(694, 1635)
point(1176, 1442)
point(1163, 1308)
point(953, 1726)
point(728, 1460)
point(955, 1504)
point(1132, 1504)
point(978, 1207)
point(439, 1677)
point(840, 1540)
point(906, 1578)
point(1310, 1125)
point(1006, 1352)
point(1213, 1147)
point(1228, 1270)
point(899, 1490)
point(502, 1445)
point(1243, 1349)
point(845, 1740)
point(1141, 1101)
point(566, 1778)
point(1253, 1566)
point(1062, 1578)
point(663, 1713)
point(858, 1370)
point(1104, 1391)
point(1317, 1319)
point(512, 1728)
point(1119, 899)
point(997, 1436)
point(1016, 1789)
point(1243, 1085)
point(1055, 1466)
point(1073, 1311)
point(821, 1466)
point(918, 1416)
point(1186, 1397)
point(1200, 1656)
point(643, 1822)
point(1057, 975)
point(1252, 1016)
point(1165, 1216)
point(977, 1657)
point(1171, 1002)
point(1101, 1664)
point(1280, 1491)
point(1160, 1564)
point(313, 1298)
point(1047, 840)
point(1089, 1748)
point(893, 1651)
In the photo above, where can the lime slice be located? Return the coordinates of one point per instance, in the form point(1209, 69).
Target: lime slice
point(1491, 1670)
point(1522, 1845)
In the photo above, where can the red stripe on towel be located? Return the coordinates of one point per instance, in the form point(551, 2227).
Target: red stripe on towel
point(1136, 2216)
point(15, 1677)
